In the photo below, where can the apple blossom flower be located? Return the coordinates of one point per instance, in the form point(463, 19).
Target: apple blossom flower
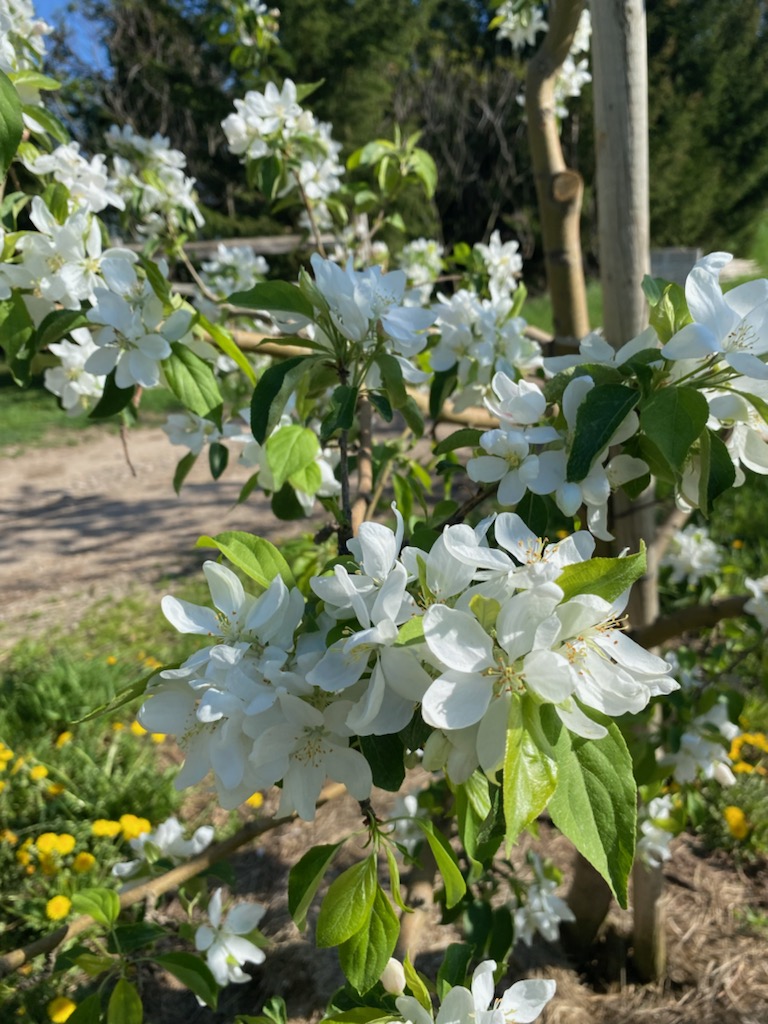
point(166, 841)
point(520, 1004)
point(691, 554)
point(223, 942)
point(541, 910)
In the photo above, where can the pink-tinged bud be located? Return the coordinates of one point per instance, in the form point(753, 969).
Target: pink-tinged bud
point(393, 978)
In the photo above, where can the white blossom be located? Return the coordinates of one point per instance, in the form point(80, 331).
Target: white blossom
point(223, 942)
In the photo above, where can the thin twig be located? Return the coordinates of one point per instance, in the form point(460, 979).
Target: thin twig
point(311, 215)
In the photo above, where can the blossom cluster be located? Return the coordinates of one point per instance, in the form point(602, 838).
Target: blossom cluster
point(455, 633)
point(691, 555)
point(274, 123)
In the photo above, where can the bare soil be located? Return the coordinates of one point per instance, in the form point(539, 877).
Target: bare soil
point(77, 527)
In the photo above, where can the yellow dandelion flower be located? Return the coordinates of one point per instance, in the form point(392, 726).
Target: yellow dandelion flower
point(138, 729)
point(18, 764)
point(55, 789)
point(117, 727)
point(63, 738)
point(152, 662)
point(111, 660)
point(23, 855)
point(65, 843)
point(38, 772)
point(736, 820)
point(83, 862)
point(57, 908)
point(256, 800)
point(30, 869)
point(157, 737)
point(6, 754)
point(743, 768)
point(737, 544)
point(132, 827)
point(47, 843)
point(60, 1009)
point(7, 836)
point(105, 827)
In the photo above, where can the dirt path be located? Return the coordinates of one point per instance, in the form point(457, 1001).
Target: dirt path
point(76, 525)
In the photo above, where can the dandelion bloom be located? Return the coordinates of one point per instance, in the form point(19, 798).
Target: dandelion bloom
point(63, 738)
point(736, 820)
point(57, 908)
point(55, 789)
point(132, 827)
point(60, 1009)
point(7, 836)
point(83, 862)
point(38, 772)
point(256, 800)
point(137, 729)
point(105, 827)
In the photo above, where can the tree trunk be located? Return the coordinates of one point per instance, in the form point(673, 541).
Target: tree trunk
point(559, 190)
point(619, 61)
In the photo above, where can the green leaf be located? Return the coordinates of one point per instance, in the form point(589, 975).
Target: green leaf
point(218, 457)
point(365, 954)
point(653, 289)
point(58, 325)
point(193, 972)
point(392, 379)
point(228, 346)
point(394, 879)
point(411, 632)
point(192, 381)
point(304, 880)
point(595, 803)
point(17, 332)
point(11, 124)
point(416, 985)
point(382, 405)
point(718, 472)
point(670, 313)
point(347, 904)
point(124, 1005)
point(286, 506)
point(274, 297)
point(183, 466)
point(359, 1015)
point(276, 385)
point(442, 387)
point(341, 414)
point(673, 419)
point(453, 969)
point(530, 773)
point(385, 755)
point(47, 121)
point(258, 558)
point(603, 410)
point(157, 279)
point(88, 1011)
point(34, 79)
point(467, 437)
point(128, 937)
point(113, 399)
point(103, 905)
point(94, 965)
point(605, 577)
point(445, 858)
point(411, 413)
point(290, 450)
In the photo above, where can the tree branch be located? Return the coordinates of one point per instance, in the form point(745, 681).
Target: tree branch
point(698, 616)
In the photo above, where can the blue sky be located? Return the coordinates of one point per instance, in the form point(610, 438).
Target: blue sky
point(81, 36)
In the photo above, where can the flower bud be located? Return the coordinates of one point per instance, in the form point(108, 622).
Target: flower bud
point(723, 774)
point(393, 978)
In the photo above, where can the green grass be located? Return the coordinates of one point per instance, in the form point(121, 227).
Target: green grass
point(32, 416)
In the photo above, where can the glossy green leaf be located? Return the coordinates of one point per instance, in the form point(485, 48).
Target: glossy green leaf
point(276, 385)
point(445, 858)
point(392, 378)
point(304, 880)
point(258, 558)
point(673, 420)
point(11, 124)
point(192, 381)
point(183, 467)
point(595, 802)
point(341, 414)
point(274, 297)
point(605, 577)
point(347, 904)
point(604, 409)
point(124, 1005)
point(467, 437)
point(58, 324)
point(416, 986)
point(113, 399)
point(88, 1011)
point(103, 905)
point(193, 972)
point(530, 773)
point(290, 450)
point(364, 955)
point(718, 472)
point(17, 331)
point(385, 755)
point(228, 345)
